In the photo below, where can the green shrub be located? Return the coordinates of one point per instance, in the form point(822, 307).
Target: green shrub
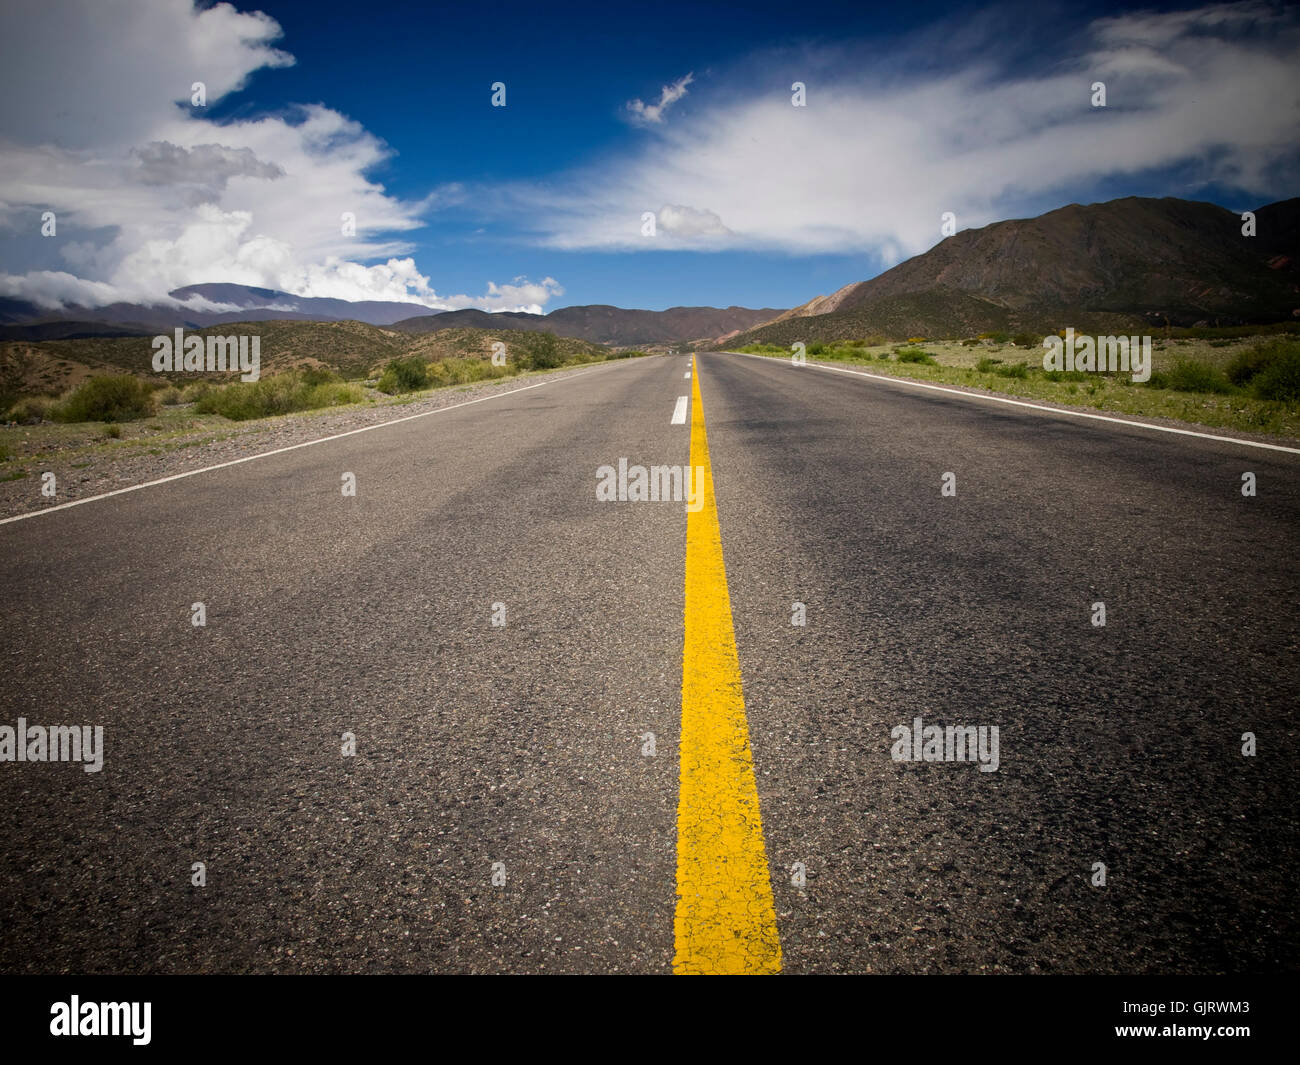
point(914, 355)
point(544, 352)
point(31, 411)
point(1266, 366)
point(467, 371)
point(1065, 375)
point(1026, 340)
point(322, 375)
point(196, 391)
point(1245, 365)
point(115, 398)
point(404, 375)
point(169, 396)
point(113, 432)
point(1016, 369)
point(280, 394)
point(1190, 376)
point(1280, 379)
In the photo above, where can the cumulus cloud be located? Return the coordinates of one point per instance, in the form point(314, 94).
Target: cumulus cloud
point(121, 65)
point(520, 295)
point(150, 194)
point(645, 114)
point(891, 139)
point(690, 222)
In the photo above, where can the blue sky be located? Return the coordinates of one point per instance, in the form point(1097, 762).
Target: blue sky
point(569, 73)
point(384, 110)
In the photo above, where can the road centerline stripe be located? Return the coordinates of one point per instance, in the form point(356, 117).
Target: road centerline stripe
point(725, 920)
point(679, 411)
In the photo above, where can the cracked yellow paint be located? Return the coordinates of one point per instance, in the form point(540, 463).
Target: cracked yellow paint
point(725, 921)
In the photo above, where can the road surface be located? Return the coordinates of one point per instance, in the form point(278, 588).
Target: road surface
point(524, 797)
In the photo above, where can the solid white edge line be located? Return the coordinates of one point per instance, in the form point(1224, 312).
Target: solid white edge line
point(1032, 406)
point(679, 411)
point(282, 450)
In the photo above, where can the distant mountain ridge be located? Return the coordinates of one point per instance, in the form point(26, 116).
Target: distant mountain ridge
point(604, 324)
point(1133, 260)
point(27, 321)
point(1127, 263)
point(599, 324)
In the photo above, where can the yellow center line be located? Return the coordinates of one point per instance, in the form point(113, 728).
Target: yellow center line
point(725, 921)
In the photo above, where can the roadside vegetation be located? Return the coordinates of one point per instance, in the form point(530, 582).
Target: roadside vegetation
point(114, 398)
point(530, 352)
point(110, 414)
point(1246, 379)
point(283, 393)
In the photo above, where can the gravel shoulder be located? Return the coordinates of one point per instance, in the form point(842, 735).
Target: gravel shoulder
point(86, 462)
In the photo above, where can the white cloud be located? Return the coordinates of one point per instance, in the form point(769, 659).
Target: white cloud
point(652, 114)
point(521, 295)
point(151, 195)
point(885, 147)
point(107, 73)
point(53, 289)
point(207, 166)
point(690, 223)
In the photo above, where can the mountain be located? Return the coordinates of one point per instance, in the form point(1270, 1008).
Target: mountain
point(1133, 261)
point(472, 318)
point(20, 320)
point(319, 308)
point(603, 324)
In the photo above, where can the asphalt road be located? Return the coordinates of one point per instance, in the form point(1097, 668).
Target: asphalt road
point(524, 744)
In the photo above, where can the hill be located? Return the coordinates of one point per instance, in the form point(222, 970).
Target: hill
point(604, 324)
point(353, 349)
point(1132, 262)
point(459, 343)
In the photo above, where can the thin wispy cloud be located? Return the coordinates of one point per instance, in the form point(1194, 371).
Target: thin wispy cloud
point(643, 114)
point(874, 159)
